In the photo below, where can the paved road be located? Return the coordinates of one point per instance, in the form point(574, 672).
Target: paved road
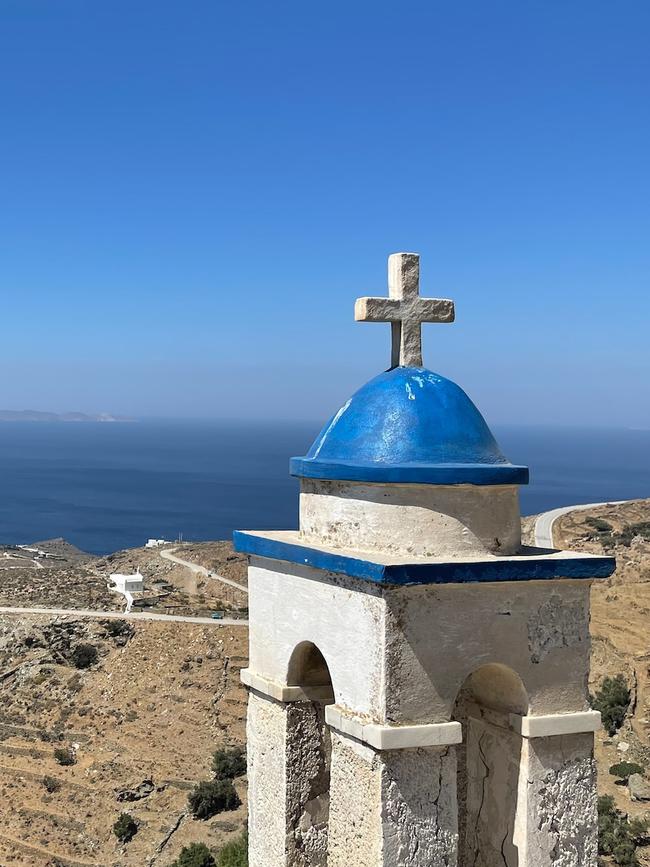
point(169, 554)
point(122, 615)
point(545, 521)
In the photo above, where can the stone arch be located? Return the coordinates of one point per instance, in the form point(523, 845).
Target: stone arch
point(489, 766)
point(309, 670)
point(310, 750)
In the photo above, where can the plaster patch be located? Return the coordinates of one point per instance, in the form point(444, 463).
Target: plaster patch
point(557, 623)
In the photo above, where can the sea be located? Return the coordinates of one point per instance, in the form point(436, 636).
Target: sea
point(105, 486)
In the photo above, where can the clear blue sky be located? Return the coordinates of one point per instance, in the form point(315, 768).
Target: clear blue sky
point(194, 193)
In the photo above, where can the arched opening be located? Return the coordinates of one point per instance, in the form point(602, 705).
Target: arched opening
point(309, 670)
point(489, 763)
point(311, 750)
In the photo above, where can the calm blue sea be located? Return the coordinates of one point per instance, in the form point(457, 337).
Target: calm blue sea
point(110, 486)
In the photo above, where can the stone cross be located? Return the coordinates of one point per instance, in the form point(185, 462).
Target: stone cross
point(404, 309)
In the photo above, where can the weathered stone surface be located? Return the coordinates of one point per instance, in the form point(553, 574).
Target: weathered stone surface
point(639, 788)
point(556, 624)
point(419, 810)
point(267, 814)
point(355, 805)
point(392, 808)
point(308, 785)
point(559, 825)
point(404, 309)
point(411, 520)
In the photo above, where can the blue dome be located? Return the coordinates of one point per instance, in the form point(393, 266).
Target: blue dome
point(409, 425)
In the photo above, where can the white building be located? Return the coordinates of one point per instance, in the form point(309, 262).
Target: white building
point(128, 583)
point(155, 543)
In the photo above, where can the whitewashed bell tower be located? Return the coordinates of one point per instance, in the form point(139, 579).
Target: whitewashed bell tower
point(417, 679)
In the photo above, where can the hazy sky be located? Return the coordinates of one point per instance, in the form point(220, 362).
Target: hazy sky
point(192, 195)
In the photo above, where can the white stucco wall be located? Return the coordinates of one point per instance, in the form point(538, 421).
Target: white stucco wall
point(438, 635)
point(401, 655)
point(343, 617)
point(415, 520)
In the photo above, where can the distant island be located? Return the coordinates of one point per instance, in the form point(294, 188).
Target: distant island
point(35, 415)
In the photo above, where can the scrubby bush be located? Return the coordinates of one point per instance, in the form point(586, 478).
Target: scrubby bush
point(631, 531)
point(229, 763)
point(209, 798)
point(84, 655)
point(612, 700)
point(116, 628)
point(195, 855)
point(125, 828)
point(51, 784)
point(619, 837)
point(599, 524)
point(624, 770)
point(64, 756)
point(235, 853)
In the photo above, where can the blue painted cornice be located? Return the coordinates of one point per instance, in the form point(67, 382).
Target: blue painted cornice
point(533, 564)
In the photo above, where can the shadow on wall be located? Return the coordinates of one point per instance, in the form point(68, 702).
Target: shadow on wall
point(310, 747)
point(489, 761)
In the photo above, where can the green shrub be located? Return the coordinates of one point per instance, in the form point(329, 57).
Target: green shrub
point(612, 700)
point(599, 524)
point(630, 531)
point(64, 756)
point(624, 770)
point(51, 784)
point(84, 655)
point(235, 853)
point(209, 798)
point(195, 855)
point(618, 837)
point(229, 763)
point(125, 828)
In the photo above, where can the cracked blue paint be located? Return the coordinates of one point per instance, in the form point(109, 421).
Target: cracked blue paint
point(409, 425)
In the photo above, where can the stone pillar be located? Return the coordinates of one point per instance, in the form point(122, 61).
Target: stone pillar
point(266, 729)
point(488, 779)
point(559, 824)
point(392, 807)
point(288, 783)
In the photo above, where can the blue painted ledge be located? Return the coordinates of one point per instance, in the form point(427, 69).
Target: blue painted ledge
point(533, 566)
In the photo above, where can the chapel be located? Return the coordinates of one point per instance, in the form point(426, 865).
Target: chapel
point(417, 677)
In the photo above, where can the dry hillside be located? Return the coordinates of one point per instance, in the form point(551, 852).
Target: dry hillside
point(144, 720)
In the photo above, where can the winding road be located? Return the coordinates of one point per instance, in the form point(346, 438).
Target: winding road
point(545, 521)
point(123, 615)
point(144, 615)
point(170, 554)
